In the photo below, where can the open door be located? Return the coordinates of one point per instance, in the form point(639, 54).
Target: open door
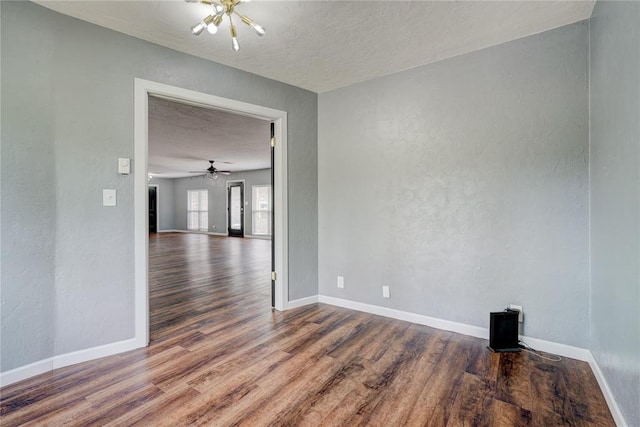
point(273, 223)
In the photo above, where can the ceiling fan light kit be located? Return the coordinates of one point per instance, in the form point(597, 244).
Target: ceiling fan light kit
point(212, 173)
point(219, 10)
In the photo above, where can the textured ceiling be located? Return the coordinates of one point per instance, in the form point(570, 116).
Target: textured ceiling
point(324, 45)
point(184, 138)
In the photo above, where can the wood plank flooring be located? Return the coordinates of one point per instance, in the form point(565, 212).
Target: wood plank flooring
point(220, 356)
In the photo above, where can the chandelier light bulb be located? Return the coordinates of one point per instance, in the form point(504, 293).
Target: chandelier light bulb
point(198, 28)
point(250, 22)
point(212, 26)
point(234, 36)
point(258, 29)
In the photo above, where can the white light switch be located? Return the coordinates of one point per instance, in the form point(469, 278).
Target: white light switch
point(124, 166)
point(108, 197)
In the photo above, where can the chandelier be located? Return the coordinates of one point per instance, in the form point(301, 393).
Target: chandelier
point(221, 8)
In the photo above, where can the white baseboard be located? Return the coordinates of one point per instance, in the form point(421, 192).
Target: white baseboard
point(60, 361)
point(211, 233)
point(46, 365)
point(255, 236)
point(302, 301)
point(460, 328)
point(606, 391)
point(563, 350)
point(420, 319)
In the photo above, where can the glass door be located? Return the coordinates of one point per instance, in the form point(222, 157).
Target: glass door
point(236, 209)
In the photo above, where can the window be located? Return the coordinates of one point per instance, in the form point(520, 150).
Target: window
point(197, 210)
point(261, 204)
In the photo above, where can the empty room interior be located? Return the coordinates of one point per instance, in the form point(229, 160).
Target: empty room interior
point(336, 213)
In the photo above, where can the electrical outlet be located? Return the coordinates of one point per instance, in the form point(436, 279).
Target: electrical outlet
point(385, 292)
point(519, 309)
point(340, 282)
point(213, 228)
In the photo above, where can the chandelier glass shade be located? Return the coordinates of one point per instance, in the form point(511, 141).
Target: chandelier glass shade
point(219, 9)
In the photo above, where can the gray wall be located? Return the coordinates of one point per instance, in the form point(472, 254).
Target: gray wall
point(615, 200)
point(165, 202)
point(28, 224)
point(68, 274)
point(217, 198)
point(463, 186)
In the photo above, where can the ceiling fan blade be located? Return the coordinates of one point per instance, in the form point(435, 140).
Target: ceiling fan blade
point(225, 172)
point(202, 172)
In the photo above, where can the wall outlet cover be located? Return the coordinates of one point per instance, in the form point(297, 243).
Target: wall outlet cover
point(385, 292)
point(520, 314)
point(340, 282)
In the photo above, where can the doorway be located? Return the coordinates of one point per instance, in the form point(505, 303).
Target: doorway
point(235, 208)
point(144, 89)
point(153, 209)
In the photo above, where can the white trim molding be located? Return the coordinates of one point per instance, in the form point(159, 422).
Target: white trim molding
point(302, 302)
point(563, 350)
point(460, 328)
point(55, 362)
point(47, 365)
point(142, 90)
point(210, 233)
point(420, 319)
point(606, 391)
point(258, 236)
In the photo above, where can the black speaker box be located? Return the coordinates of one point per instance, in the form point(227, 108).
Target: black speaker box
point(503, 331)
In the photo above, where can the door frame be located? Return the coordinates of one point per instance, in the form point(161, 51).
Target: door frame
point(244, 216)
point(157, 206)
point(142, 90)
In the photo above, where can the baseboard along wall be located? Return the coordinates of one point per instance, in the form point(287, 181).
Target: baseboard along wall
point(563, 350)
point(47, 365)
point(67, 359)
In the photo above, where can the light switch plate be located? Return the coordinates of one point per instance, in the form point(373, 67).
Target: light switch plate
point(108, 197)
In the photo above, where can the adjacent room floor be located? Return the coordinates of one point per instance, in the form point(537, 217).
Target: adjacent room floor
point(220, 356)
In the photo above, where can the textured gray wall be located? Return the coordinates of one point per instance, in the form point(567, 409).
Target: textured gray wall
point(68, 276)
point(615, 200)
point(165, 202)
point(463, 186)
point(28, 201)
point(217, 198)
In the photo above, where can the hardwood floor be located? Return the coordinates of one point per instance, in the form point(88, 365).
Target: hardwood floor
point(220, 356)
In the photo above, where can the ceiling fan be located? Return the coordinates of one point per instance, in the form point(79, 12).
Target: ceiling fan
point(212, 172)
